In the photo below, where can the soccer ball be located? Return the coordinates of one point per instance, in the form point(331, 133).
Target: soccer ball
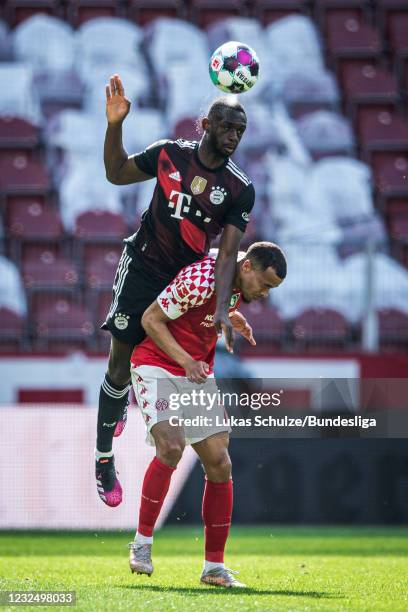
point(234, 67)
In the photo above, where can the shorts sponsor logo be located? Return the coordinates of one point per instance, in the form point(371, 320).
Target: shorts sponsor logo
point(217, 195)
point(161, 405)
point(121, 321)
point(198, 184)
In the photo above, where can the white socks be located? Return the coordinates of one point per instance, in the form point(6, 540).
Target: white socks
point(141, 539)
point(99, 455)
point(210, 565)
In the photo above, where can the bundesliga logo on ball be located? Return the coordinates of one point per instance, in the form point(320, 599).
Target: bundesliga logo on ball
point(234, 67)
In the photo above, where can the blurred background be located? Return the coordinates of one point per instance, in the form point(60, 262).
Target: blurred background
point(327, 150)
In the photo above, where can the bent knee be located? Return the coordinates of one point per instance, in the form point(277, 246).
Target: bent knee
point(219, 468)
point(170, 452)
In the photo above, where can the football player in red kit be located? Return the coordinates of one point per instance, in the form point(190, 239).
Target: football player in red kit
point(200, 193)
point(180, 344)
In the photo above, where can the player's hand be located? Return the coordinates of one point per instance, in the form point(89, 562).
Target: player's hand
point(241, 325)
point(197, 371)
point(223, 326)
point(117, 105)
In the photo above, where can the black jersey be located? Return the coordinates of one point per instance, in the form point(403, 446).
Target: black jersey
point(190, 206)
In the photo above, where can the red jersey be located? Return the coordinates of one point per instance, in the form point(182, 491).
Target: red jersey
point(190, 301)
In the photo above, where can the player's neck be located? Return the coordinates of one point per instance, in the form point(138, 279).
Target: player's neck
point(208, 157)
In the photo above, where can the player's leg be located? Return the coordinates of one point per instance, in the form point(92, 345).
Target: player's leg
point(216, 508)
point(169, 442)
point(112, 400)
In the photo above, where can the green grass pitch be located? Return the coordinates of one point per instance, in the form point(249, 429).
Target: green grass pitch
point(285, 568)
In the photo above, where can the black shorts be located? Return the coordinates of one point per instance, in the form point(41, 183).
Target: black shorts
point(134, 289)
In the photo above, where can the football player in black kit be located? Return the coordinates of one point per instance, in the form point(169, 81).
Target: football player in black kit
point(199, 193)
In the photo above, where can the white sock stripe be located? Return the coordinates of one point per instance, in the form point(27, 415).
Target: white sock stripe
point(114, 393)
point(117, 290)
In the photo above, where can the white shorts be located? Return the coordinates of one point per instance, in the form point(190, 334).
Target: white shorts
point(154, 388)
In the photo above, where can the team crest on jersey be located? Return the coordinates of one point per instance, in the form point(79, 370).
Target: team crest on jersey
point(198, 184)
point(217, 195)
point(234, 299)
point(121, 321)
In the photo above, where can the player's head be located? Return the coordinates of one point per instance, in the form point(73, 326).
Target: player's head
point(224, 125)
point(263, 267)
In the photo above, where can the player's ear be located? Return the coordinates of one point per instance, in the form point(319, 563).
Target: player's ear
point(247, 265)
point(205, 124)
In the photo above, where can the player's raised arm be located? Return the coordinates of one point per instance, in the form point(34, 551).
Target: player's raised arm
point(155, 322)
point(224, 278)
point(120, 168)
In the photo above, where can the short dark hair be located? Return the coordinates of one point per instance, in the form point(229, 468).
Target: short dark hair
point(268, 254)
point(219, 104)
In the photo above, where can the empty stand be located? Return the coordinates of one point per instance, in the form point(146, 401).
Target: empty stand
point(320, 328)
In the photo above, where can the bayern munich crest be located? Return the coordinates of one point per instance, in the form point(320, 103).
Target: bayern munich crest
point(217, 195)
point(121, 321)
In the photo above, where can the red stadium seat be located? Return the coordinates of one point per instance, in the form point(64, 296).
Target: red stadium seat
point(204, 12)
point(381, 130)
point(391, 173)
point(33, 220)
point(17, 133)
point(393, 328)
point(320, 328)
point(349, 9)
point(364, 84)
point(60, 323)
point(143, 11)
point(80, 11)
point(17, 11)
point(11, 330)
point(267, 324)
point(49, 270)
point(99, 225)
point(398, 224)
point(268, 11)
point(101, 308)
point(348, 37)
point(101, 263)
point(20, 175)
point(187, 128)
point(398, 28)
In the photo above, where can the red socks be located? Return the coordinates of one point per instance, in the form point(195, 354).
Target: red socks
point(217, 511)
point(155, 486)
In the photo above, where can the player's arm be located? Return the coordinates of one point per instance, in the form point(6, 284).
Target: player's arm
point(225, 267)
point(235, 225)
point(120, 168)
point(154, 322)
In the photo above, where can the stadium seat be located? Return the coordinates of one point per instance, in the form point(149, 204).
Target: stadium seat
point(266, 322)
point(100, 225)
point(391, 173)
point(381, 130)
point(364, 84)
point(29, 219)
point(19, 98)
point(348, 9)
point(398, 224)
point(268, 11)
point(49, 271)
point(20, 175)
point(393, 328)
point(143, 11)
point(205, 12)
point(398, 29)
point(59, 323)
point(310, 91)
point(322, 328)
point(17, 11)
point(17, 133)
point(186, 128)
point(100, 263)
point(12, 326)
point(58, 55)
point(349, 37)
point(326, 133)
point(80, 11)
